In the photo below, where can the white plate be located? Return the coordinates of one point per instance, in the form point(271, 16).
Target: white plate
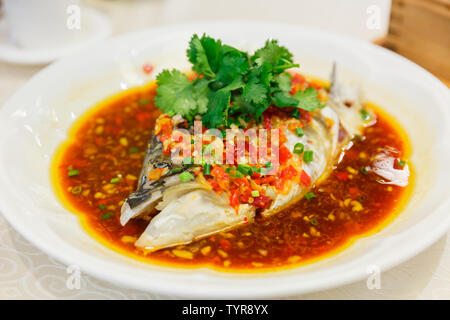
point(36, 120)
point(95, 27)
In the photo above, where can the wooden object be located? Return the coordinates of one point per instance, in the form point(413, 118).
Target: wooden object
point(420, 31)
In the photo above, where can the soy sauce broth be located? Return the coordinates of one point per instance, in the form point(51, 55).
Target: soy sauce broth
point(98, 166)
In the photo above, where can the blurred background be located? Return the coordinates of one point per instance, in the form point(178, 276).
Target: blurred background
point(416, 29)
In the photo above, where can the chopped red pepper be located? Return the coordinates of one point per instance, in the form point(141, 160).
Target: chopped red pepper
point(147, 68)
point(305, 179)
point(307, 116)
point(225, 244)
point(234, 199)
point(354, 192)
point(261, 201)
point(288, 172)
point(341, 175)
point(314, 85)
point(284, 154)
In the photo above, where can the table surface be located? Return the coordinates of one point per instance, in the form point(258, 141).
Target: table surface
point(28, 273)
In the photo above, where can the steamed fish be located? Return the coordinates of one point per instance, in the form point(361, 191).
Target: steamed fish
point(188, 202)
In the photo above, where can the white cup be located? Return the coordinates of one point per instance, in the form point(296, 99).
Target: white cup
point(42, 24)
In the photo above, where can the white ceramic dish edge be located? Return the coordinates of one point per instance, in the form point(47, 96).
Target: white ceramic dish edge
point(284, 288)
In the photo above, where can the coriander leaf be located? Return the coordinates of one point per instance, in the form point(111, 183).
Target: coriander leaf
point(236, 84)
point(204, 54)
point(233, 64)
point(254, 92)
point(217, 109)
point(296, 113)
point(283, 82)
point(262, 74)
point(278, 56)
point(178, 95)
point(283, 99)
point(308, 99)
point(227, 74)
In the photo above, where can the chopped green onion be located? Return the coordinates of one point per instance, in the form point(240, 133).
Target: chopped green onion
point(233, 172)
point(245, 169)
point(175, 170)
point(401, 163)
point(364, 171)
point(134, 150)
point(298, 148)
point(115, 180)
point(187, 161)
point(299, 132)
point(170, 113)
point(313, 221)
point(296, 113)
point(73, 173)
point(365, 115)
point(77, 189)
point(207, 148)
point(308, 156)
point(143, 102)
point(267, 167)
point(207, 169)
point(186, 176)
point(309, 195)
point(102, 206)
point(106, 216)
point(255, 193)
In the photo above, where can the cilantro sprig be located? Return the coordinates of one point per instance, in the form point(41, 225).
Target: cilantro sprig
point(231, 84)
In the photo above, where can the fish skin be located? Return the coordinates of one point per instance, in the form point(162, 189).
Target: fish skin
point(345, 101)
point(197, 212)
point(208, 213)
point(324, 146)
point(149, 192)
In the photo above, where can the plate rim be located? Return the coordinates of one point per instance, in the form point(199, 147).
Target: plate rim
point(186, 290)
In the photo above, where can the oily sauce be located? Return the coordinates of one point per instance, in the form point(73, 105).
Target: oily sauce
point(98, 166)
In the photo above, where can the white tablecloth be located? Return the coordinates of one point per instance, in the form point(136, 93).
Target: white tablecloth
point(28, 273)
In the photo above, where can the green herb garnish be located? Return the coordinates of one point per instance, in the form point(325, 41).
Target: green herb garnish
point(365, 115)
point(102, 206)
point(175, 170)
point(106, 216)
point(308, 100)
point(296, 113)
point(143, 102)
point(299, 132)
point(207, 169)
point(207, 149)
point(233, 172)
point(115, 180)
point(309, 195)
point(245, 169)
point(313, 222)
point(364, 171)
point(255, 193)
point(73, 172)
point(231, 85)
point(77, 190)
point(308, 156)
point(298, 148)
point(134, 150)
point(187, 161)
point(401, 163)
point(186, 176)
